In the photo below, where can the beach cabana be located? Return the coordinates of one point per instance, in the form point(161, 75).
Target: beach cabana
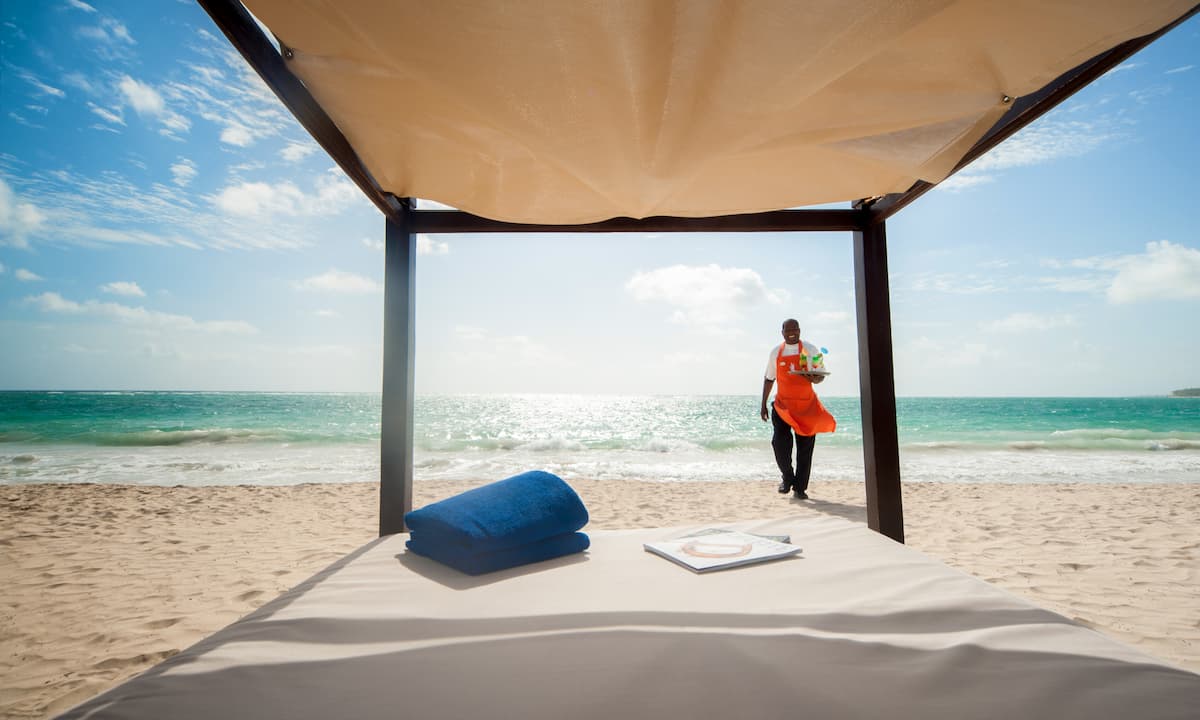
point(670, 116)
point(664, 116)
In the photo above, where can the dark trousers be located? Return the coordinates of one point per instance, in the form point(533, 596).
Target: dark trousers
point(781, 441)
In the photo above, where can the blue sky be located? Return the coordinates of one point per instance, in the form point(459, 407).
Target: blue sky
point(166, 224)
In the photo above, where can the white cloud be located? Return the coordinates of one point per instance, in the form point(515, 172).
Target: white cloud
point(296, 151)
point(259, 198)
point(148, 102)
point(122, 287)
point(327, 314)
point(183, 171)
point(137, 316)
point(378, 245)
point(141, 97)
point(1164, 271)
point(339, 281)
point(1182, 68)
point(18, 219)
point(81, 6)
point(428, 246)
point(706, 297)
point(1026, 322)
point(333, 193)
point(960, 182)
point(2, 268)
point(1044, 141)
point(237, 135)
point(26, 276)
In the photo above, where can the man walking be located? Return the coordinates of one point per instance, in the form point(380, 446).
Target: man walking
point(796, 411)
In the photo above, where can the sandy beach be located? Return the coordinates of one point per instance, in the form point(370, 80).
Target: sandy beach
point(103, 581)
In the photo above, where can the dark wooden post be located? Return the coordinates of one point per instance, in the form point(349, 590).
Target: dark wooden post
point(396, 427)
point(876, 381)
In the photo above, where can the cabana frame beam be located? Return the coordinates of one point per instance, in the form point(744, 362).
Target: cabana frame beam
point(453, 221)
point(399, 350)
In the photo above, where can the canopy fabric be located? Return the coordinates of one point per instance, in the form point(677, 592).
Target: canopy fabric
point(544, 111)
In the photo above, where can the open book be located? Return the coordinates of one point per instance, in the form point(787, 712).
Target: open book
point(716, 550)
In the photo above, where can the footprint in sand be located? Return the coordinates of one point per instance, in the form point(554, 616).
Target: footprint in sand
point(249, 595)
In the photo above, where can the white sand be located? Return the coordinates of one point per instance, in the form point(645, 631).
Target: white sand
point(102, 581)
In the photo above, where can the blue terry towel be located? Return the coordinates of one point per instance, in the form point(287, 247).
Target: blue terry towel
point(478, 563)
point(510, 513)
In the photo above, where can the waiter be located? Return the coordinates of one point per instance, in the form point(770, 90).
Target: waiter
point(797, 411)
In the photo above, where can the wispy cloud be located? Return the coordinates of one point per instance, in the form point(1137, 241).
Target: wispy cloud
point(519, 349)
point(1165, 271)
point(707, 297)
point(1180, 69)
point(108, 31)
point(27, 276)
point(40, 88)
point(81, 6)
point(1026, 322)
point(183, 171)
point(123, 287)
point(956, 283)
point(960, 181)
point(112, 116)
point(1045, 141)
point(934, 354)
point(339, 281)
point(1123, 67)
point(138, 316)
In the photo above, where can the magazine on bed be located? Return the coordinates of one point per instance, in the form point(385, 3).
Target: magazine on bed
point(718, 550)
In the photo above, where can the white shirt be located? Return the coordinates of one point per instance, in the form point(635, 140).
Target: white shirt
point(809, 350)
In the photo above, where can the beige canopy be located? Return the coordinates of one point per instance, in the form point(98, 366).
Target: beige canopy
point(570, 111)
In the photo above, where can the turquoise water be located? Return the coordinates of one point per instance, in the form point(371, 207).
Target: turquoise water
point(275, 438)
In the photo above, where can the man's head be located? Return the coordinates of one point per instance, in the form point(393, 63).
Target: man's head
point(791, 332)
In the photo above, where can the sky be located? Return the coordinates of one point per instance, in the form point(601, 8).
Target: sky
point(165, 224)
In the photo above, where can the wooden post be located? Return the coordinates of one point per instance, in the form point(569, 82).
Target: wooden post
point(877, 384)
point(396, 426)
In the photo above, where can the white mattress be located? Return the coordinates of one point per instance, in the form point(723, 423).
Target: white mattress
point(856, 626)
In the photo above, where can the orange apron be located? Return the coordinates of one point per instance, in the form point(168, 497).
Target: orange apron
point(795, 400)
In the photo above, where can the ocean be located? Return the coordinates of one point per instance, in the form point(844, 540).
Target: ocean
point(205, 438)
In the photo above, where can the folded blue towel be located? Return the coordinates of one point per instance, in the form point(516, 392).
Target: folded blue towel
point(510, 513)
point(478, 563)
